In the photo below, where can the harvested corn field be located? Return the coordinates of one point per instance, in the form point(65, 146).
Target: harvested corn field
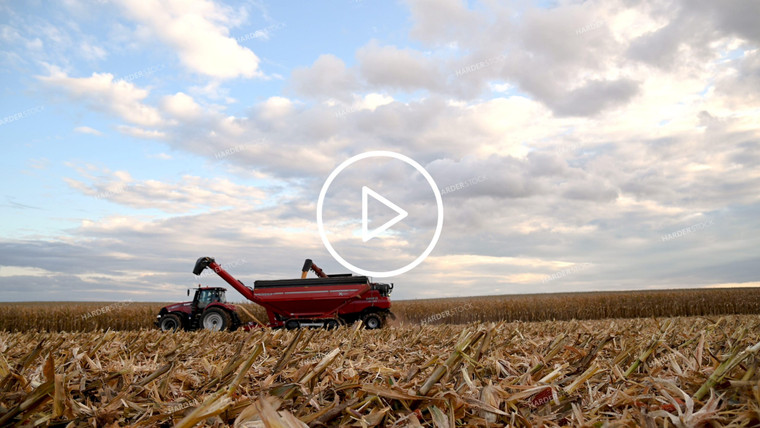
point(679, 371)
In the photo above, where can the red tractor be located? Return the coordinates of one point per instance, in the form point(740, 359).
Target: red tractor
point(327, 301)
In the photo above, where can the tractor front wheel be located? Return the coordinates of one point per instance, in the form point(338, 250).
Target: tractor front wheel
point(216, 319)
point(170, 322)
point(372, 321)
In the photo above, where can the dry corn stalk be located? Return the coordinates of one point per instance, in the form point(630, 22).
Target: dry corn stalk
point(451, 362)
point(376, 380)
point(650, 349)
point(726, 366)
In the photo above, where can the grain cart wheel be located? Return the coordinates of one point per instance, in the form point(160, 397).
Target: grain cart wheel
point(292, 325)
point(331, 324)
point(170, 322)
point(216, 319)
point(372, 321)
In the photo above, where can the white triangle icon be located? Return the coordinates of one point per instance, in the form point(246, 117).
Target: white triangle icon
point(367, 235)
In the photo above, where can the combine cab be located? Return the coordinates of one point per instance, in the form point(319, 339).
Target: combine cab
point(327, 301)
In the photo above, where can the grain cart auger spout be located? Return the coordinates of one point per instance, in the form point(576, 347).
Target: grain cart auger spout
point(326, 301)
point(309, 265)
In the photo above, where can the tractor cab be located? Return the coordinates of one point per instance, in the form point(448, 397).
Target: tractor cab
point(207, 295)
point(208, 310)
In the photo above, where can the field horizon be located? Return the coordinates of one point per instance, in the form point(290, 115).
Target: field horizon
point(133, 315)
point(563, 293)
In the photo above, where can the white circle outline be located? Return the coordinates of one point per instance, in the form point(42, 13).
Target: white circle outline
point(388, 154)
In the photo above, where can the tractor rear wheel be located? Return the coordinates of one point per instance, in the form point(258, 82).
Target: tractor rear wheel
point(372, 321)
point(170, 322)
point(216, 319)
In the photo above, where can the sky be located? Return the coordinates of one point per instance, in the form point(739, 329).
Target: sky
point(577, 146)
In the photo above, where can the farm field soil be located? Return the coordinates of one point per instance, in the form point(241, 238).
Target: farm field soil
point(683, 371)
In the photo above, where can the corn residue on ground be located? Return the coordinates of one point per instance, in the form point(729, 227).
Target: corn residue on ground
point(646, 372)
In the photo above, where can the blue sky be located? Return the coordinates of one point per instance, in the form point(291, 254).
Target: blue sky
point(620, 137)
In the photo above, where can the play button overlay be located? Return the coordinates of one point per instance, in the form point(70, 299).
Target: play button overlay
point(366, 190)
point(401, 214)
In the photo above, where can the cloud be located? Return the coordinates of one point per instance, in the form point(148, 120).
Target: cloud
point(444, 21)
point(595, 96)
point(565, 57)
point(393, 68)
point(328, 77)
point(181, 105)
point(92, 52)
point(741, 79)
point(188, 194)
point(275, 108)
point(137, 132)
point(199, 32)
point(120, 256)
point(101, 93)
point(285, 138)
point(693, 30)
point(87, 130)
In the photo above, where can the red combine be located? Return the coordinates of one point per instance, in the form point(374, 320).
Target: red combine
point(327, 301)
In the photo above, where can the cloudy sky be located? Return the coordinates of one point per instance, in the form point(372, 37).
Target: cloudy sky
point(601, 145)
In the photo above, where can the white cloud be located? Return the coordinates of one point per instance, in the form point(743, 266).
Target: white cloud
point(92, 52)
point(102, 93)
point(190, 193)
point(199, 31)
point(6, 271)
point(140, 132)
point(87, 130)
point(181, 105)
point(276, 108)
point(373, 100)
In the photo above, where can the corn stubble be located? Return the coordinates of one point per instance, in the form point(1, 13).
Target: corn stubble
point(636, 372)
